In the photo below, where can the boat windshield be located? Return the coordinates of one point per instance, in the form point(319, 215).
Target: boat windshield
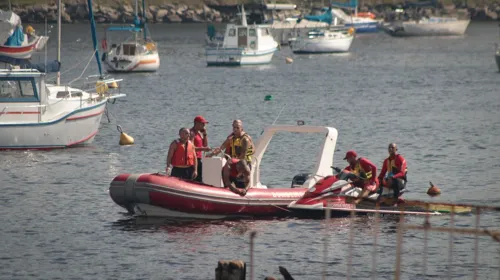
point(18, 90)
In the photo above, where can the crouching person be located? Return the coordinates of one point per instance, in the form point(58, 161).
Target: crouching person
point(236, 176)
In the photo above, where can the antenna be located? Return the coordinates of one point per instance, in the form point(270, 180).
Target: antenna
point(59, 8)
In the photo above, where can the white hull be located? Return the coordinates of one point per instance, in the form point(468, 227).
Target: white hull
point(451, 28)
point(236, 57)
point(322, 45)
point(74, 128)
point(138, 63)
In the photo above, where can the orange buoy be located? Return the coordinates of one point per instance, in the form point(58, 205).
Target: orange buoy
point(288, 60)
point(433, 190)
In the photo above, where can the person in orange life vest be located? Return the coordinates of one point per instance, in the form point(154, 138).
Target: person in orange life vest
point(365, 174)
point(237, 172)
point(181, 159)
point(395, 167)
point(238, 144)
point(200, 140)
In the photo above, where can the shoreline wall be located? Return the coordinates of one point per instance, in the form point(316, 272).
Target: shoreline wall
point(182, 13)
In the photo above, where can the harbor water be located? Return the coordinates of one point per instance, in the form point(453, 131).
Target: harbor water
point(437, 98)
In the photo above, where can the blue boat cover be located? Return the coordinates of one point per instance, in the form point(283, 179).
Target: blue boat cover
point(325, 17)
point(17, 38)
point(51, 67)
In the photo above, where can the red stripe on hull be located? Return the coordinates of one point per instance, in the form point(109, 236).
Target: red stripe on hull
point(19, 113)
point(85, 116)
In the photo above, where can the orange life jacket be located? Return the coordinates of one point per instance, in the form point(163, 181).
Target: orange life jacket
point(183, 154)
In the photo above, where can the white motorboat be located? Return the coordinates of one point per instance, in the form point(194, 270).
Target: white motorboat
point(36, 115)
point(243, 45)
point(433, 26)
point(324, 41)
point(136, 54)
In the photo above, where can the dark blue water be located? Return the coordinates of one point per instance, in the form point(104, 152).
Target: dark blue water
point(438, 98)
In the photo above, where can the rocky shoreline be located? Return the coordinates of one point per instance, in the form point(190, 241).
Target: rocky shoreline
point(181, 13)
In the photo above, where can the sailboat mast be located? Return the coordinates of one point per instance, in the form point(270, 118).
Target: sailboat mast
point(136, 20)
point(10, 5)
point(144, 19)
point(59, 8)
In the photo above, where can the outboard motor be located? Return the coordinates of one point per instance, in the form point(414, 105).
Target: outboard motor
point(299, 180)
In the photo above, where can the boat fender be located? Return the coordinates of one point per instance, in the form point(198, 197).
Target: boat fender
point(101, 87)
point(103, 58)
point(125, 139)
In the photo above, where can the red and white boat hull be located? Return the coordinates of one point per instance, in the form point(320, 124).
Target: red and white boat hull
point(26, 51)
point(161, 195)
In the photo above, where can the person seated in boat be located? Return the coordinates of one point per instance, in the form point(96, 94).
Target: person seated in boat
point(364, 174)
point(181, 158)
point(395, 167)
point(200, 140)
point(236, 176)
point(238, 145)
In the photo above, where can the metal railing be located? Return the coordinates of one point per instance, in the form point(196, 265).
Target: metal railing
point(456, 230)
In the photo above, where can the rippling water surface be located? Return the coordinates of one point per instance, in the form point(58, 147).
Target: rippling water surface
point(438, 98)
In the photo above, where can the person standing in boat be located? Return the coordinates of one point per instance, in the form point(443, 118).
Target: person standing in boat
point(395, 167)
point(200, 140)
point(236, 176)
point(181, 158)
point(365, 174)
point(238, 145)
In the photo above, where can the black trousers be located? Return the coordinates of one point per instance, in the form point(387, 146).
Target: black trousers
point(397, 185)
point(183, 172)
point(199, 170)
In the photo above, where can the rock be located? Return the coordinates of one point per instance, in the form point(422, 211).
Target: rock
point(161, 15)
point(172, 18)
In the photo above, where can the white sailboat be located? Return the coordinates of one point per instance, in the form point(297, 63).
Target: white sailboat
point(137, 54)
point(243, 45)
point(36, 115)
point(333, 39)
point(324, 41)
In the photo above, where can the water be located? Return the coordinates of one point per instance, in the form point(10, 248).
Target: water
point(436, 97)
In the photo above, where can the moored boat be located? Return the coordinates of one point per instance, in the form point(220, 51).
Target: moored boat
point(324, 41)
point(14, 42)
point(433, 26)
point(156, 194)
point(243, 44)
point(135, 54)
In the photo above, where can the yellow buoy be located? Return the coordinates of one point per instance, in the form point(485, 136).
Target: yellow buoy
point(351, 30)
point(125, 139)
point(288, 60)
point(113, 85)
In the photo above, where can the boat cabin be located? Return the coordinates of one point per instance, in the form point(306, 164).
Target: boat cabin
point(212, 167)
point(242, 36)
point(22, 95)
